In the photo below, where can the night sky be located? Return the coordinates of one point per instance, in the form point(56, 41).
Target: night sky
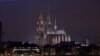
point(80, 18)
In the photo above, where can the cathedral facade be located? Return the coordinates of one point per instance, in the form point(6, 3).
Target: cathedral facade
point(48, 33)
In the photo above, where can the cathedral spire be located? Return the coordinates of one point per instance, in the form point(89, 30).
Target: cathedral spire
point(48, 16)
point(55, 25)
point(48, 19)
point(41, 15)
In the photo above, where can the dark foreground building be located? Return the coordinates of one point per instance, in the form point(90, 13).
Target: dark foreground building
point(0, 32)
point(62, 49)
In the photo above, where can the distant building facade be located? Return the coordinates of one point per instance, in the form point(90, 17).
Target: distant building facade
point(48, 33)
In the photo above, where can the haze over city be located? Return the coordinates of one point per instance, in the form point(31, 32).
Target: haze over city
point(80, 18)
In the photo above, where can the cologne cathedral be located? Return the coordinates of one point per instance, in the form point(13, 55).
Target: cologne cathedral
point(48, 33)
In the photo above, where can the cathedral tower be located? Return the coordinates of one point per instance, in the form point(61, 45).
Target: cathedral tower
point(48, 22)
point(40, 30)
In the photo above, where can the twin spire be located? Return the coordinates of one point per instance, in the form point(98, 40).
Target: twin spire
point(48, 19)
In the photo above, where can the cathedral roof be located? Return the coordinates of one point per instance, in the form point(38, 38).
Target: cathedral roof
point(56, 32)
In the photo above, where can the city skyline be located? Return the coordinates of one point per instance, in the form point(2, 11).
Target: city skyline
point(80, 19)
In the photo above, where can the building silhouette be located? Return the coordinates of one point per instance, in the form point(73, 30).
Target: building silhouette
point(0, 31)
point(48, 33)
